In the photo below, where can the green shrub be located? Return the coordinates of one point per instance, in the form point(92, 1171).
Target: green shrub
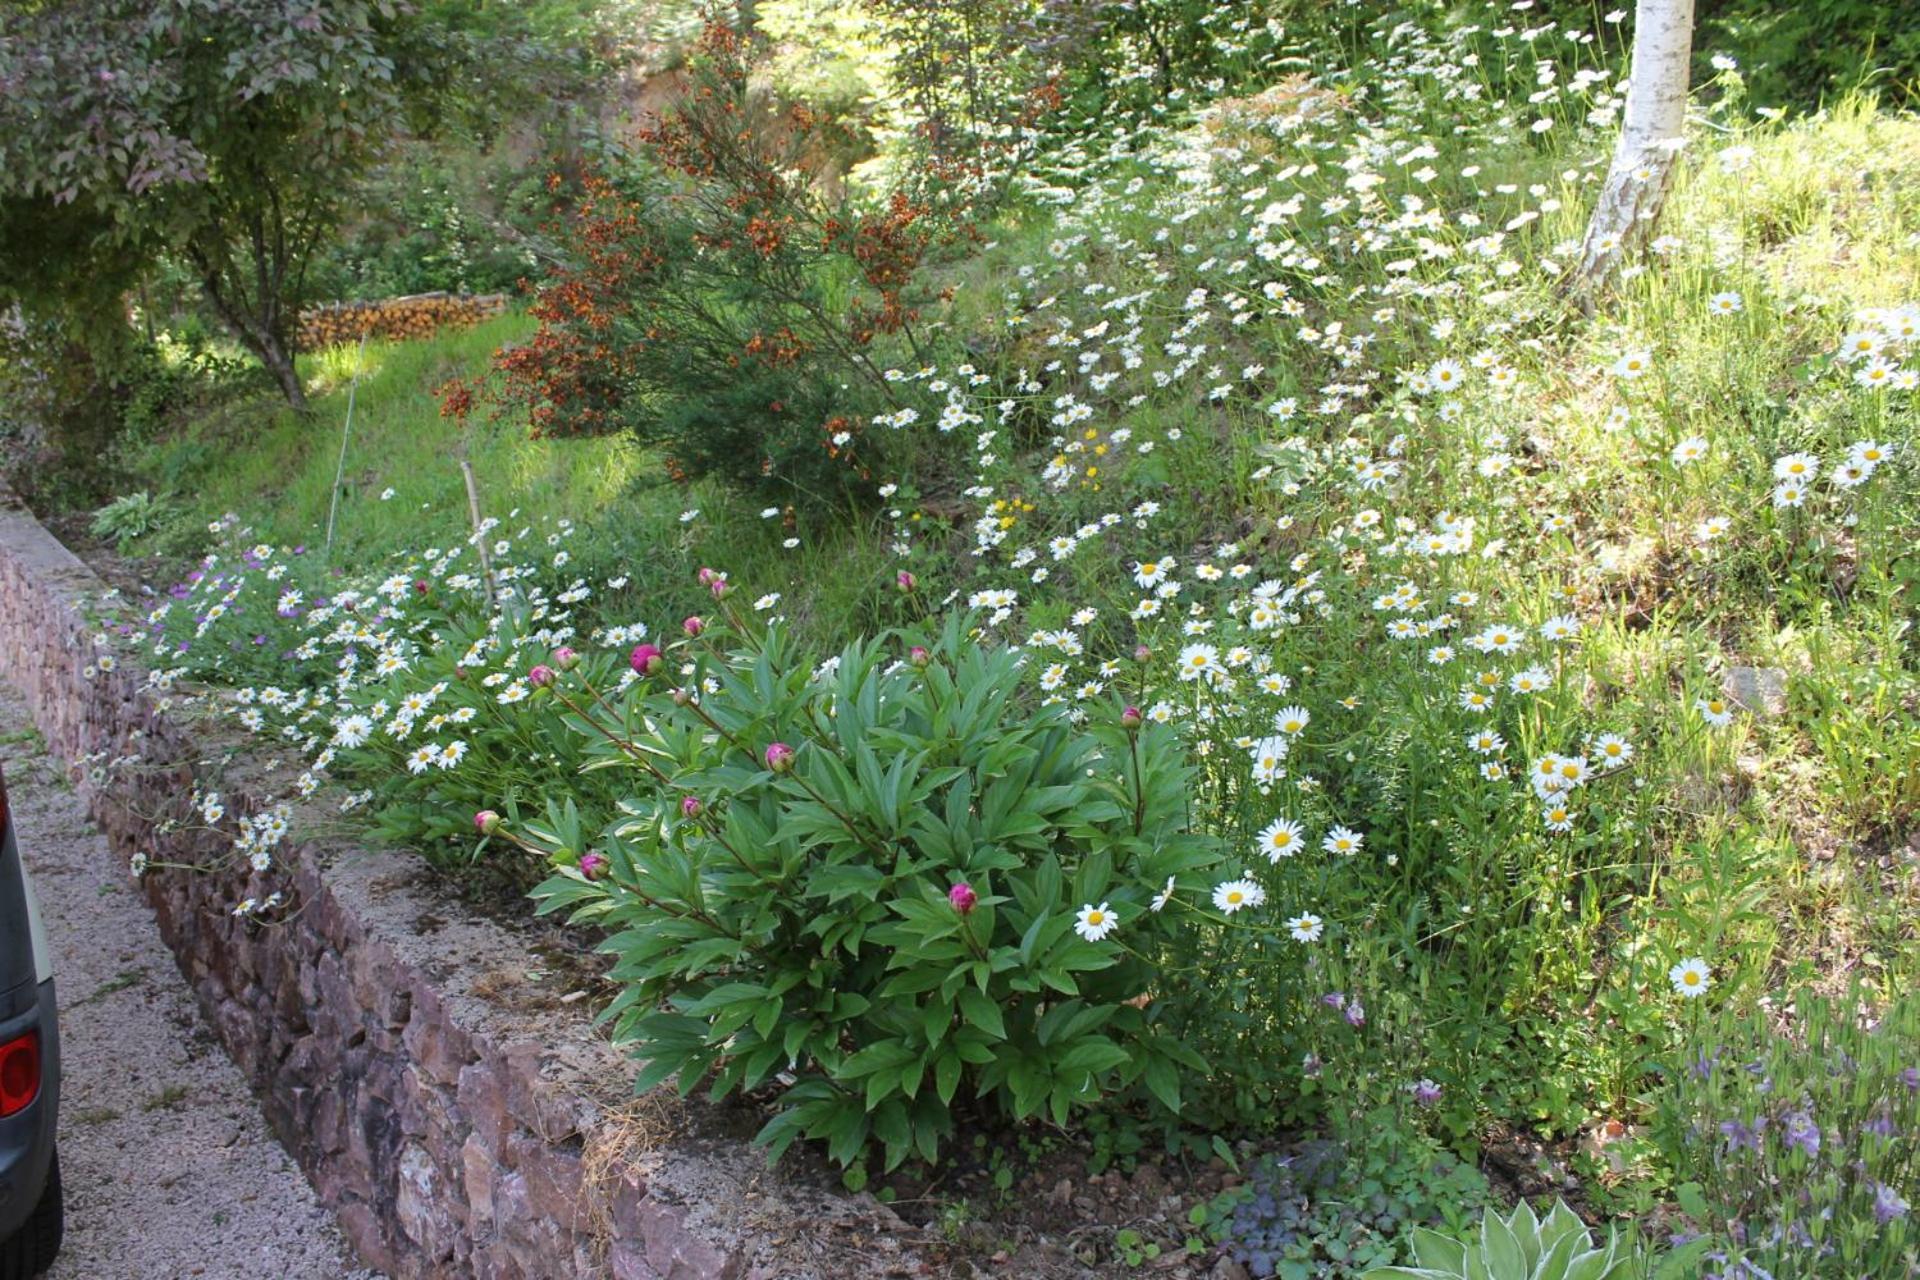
point(718, 303)
point(883, 886)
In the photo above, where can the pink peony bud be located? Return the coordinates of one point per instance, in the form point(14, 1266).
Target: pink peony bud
point(918, 655)
point(905, 581)
point(594, 865)
point(690, 806)
point(1142, 654)
point(565, 658)
point(647, 659)
point(693, 626)
point(707, 577)
point(1130, 718)
point(486, 822)
point(963, 898)
point(779, 757)
point(720, 587)
point(541, 675)
point(422, 586)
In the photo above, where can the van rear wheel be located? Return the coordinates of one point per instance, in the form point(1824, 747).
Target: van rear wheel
point(31, 1250)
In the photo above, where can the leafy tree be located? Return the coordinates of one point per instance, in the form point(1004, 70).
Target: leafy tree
point(226, 133)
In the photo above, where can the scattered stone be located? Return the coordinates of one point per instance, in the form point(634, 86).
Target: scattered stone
point(1761, 690)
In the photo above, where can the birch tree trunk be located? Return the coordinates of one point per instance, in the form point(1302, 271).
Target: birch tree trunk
point(1650, 138)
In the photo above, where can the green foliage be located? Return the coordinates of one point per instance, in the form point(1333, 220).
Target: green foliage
point(717, 303)
point(227, 134)
point(902, 911)
point(1525, 1246)
point(1337, 1209)
point(1794, 1136)
point(131, 516)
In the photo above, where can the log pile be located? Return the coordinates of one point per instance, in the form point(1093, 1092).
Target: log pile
point(419, 315)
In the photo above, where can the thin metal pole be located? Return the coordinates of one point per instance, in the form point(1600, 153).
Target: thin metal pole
point(473, 512)
point(353, 391)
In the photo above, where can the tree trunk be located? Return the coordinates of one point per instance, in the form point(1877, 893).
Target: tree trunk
point(279, 361)
point(1650, 138)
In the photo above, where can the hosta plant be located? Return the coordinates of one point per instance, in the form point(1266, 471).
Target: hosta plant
point(1525, 1246)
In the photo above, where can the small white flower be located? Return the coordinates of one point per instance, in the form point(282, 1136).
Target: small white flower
point(1236, 894)
point(1095, 923)
point(1691, 978)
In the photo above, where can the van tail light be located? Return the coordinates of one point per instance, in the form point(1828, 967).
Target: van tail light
point(19, 1073)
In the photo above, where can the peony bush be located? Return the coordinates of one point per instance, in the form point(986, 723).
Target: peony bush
point(884, 886)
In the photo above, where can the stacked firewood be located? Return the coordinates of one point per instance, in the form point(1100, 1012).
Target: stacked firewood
point(419, 315)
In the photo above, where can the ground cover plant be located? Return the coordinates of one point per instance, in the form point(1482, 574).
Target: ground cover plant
point(1442, 711)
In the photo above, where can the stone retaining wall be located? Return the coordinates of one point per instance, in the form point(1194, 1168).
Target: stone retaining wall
point(440, 1084)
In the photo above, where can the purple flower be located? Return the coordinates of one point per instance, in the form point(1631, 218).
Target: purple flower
point(1802, 1132)
point(1887, 1204)
point(1334, 1000)
point(1355, 1015)
point(1911, 1078)
point(1425, 1092)
point(1741, 1136)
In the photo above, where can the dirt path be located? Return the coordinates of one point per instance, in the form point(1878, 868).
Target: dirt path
point(170, 1169)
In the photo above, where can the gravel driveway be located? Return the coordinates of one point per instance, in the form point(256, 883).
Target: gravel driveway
point(170, 1169)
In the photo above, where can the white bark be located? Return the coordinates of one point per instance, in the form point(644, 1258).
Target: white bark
point(1650, 137)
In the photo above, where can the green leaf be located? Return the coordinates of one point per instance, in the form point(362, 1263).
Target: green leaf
point(1501, 1250)
point(981, 1011)
point(1163, 1082)
point(1683, 1262)
point(1436, 1252)
point(946, 1075)
point(1693, 1202)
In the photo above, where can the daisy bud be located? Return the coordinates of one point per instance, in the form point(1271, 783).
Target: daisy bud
point(486, 822)
point(1142, 654)
point(905, 581)
point(963, 898)
point(918, 655)
point(690, 806)
point(541, 675)
point(693, 626)
point(647, 659)
point(565, 658)
point(779, 757)
point(594, 865)
point(1130, 718)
